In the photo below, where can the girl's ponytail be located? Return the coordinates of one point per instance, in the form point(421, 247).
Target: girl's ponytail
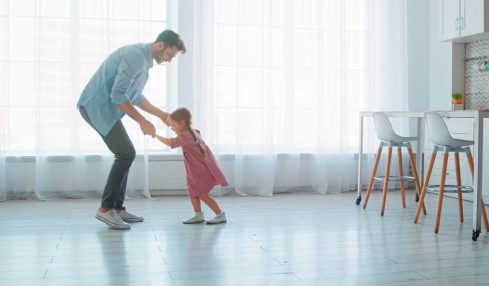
point(202, 151)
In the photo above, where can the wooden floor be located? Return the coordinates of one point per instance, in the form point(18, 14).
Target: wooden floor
point(287, 239)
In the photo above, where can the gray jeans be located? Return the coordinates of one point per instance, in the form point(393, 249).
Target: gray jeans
point(121, 146)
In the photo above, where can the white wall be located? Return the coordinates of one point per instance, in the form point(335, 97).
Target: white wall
point(440, 63)
point(430, 69)
point(418, 54)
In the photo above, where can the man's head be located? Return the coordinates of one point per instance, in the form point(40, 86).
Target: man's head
point(166, 46)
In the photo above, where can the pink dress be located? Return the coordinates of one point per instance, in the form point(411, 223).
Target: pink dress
point(203, 173)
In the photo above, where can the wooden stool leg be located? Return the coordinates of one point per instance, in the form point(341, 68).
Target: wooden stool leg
point(484, 216)
point(401, 173)
point(441, 191)
point(425, 185)
point(386, 180)
point(459, 186)
point(471, 164)
point(372, 175)
point(415, 174)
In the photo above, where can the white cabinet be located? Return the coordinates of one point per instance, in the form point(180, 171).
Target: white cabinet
point(464, 20)
point(449, 18)
point(473, 17)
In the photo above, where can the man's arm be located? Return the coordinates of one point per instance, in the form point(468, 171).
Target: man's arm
point(146, 126)
point(150, 108)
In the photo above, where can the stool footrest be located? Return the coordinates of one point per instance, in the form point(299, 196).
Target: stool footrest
point(395, 178)
point(450, 188)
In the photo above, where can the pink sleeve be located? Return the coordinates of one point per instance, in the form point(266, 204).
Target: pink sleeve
point(180, 141)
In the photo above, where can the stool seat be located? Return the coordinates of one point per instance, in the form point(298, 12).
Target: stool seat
point(385, 132)
point(400, 139)
point(388, 138)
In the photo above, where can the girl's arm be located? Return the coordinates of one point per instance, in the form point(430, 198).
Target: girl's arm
point(166, 141)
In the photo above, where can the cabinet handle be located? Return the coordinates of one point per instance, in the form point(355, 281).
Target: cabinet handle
point(462, 23)
point(456, 24)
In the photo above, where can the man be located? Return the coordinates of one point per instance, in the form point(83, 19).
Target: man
point(113, 91)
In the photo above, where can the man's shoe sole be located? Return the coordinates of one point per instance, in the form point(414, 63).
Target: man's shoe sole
point(133, 220)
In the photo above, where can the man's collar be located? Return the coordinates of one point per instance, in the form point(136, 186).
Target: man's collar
point(149, 55)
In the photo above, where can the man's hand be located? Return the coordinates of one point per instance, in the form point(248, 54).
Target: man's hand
point(148, 128)
point(165, 118)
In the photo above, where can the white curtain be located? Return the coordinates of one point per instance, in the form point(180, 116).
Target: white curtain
point(278, 88)
point(48, 51)
point(3, 123)
point(281, 84)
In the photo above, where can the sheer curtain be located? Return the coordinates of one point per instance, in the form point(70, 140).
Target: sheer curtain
point(49, 50)
point(3, 121)
point(282, 82)
point(278, 88)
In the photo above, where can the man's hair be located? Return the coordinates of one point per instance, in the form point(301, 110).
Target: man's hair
point(171, 39)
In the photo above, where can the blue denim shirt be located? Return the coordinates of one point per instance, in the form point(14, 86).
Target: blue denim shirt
point(122, 76)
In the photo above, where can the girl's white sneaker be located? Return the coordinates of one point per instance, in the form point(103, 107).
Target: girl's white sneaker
point(220, 218)
point(198, 218)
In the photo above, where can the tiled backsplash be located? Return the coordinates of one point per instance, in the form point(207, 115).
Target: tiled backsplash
point(476, 82)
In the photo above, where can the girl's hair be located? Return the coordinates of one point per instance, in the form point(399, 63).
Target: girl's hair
point(183, 114)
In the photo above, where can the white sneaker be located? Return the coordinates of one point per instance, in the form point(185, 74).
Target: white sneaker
point(112, 219)
point(129, 217)
point(198, 218)
point(220, 218)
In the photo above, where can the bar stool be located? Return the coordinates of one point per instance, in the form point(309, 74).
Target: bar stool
point(443, 141)
point(388, 137)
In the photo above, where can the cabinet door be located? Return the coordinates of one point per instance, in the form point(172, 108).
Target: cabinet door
point(472, 17)
point(449, 19)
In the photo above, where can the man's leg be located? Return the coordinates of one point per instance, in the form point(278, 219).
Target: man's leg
point(119, 203)
point(119, 143)
point(121, 146)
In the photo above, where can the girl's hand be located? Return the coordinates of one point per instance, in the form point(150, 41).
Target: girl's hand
point(164, 140)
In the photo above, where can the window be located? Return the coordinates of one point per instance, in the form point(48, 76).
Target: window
point(49, 51)
point(288, 74)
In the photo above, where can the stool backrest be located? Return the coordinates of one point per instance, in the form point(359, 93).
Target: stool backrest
point(438, 130)
point(383, 127)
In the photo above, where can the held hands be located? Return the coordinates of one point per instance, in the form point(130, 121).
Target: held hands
point(165, 118)
point(148, 128)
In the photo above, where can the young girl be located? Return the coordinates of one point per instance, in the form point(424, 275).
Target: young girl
point(203, 173)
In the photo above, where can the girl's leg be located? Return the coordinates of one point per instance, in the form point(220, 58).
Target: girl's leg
point(199, 215)
point(195, 204)
point(211, 203)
